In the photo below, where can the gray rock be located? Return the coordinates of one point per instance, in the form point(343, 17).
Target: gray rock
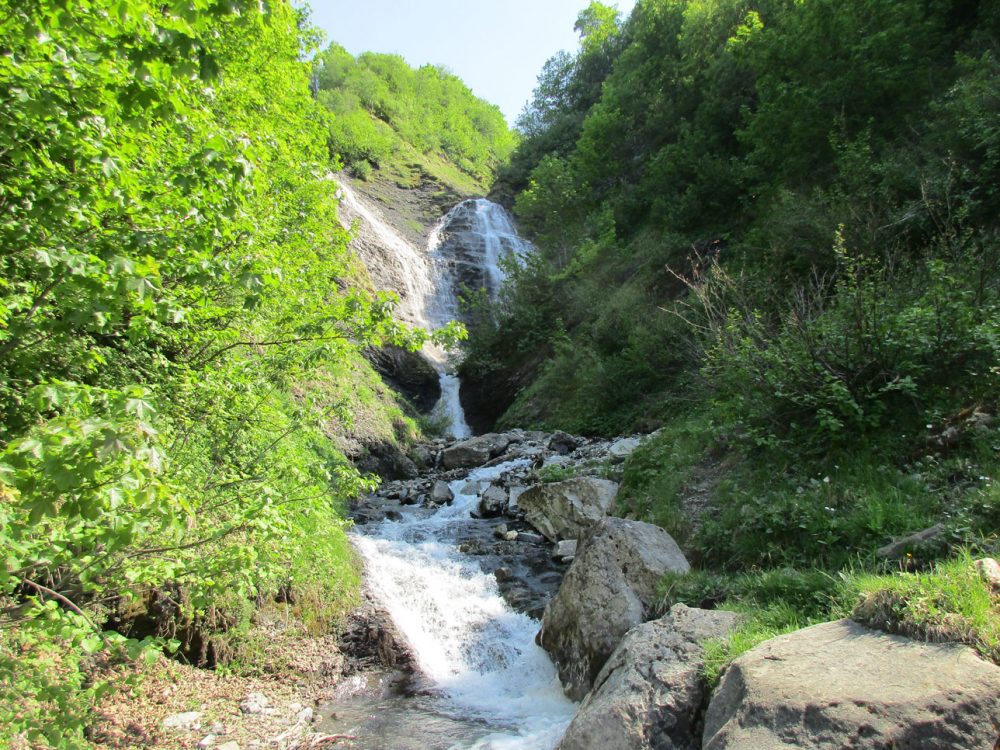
point(623, 448)
point(529, 538)
point(255, 703)
point(441, 493)
point(989, 571)
point(473, 452)
point(514, 494)
point(471, 488)
point(492, 503)
point(899, 547)
point(842, 685)
point(231, 745)
point(608, 590)
point(424, 456)
point(189, 721)
point(511, 536)
point(649, 692)
point(565, 548)
point(562, 443)
point(564, 510)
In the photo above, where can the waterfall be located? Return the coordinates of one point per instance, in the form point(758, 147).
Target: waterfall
point(490, 686)
point(466, 249)
point(487, 685)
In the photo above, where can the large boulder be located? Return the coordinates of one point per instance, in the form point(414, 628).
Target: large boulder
point(468, 454)
point(842, 685)
point(564, 510)
point(649, 693)
point(608, 590)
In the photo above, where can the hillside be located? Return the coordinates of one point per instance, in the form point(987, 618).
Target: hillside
point(185, 408)
point(768, 230)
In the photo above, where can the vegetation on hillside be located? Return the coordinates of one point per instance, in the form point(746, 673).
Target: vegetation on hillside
point(771, 229)
point(389, 116)
point(177, 308)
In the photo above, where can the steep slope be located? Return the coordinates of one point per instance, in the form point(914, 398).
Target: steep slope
point(768, 229)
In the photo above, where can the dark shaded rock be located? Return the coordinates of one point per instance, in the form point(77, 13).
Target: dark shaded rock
point(492, 503)
point(562, 443)
point(408, 373)
point(385, 459)
point(441, 493)
point(842, 685)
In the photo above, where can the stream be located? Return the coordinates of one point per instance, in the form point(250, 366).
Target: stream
point(483, 683)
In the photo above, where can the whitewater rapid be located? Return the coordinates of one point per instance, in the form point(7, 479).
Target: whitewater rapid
point(485, 674)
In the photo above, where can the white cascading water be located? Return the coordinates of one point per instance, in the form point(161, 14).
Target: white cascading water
point(429, 281)
point(490, 687)
point(479, 655)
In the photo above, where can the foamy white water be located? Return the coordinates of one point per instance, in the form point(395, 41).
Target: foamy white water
point(426, 278)
point(479, 655)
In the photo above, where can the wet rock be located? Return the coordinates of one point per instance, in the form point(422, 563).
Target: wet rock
point(564, 510)
point(899, 547)
point(529, 538)
point(562, 442)
point(393, 515)
point(471, 488)
point(503, 575)
point(441, 493)
point(608, 590)
point(492, 503)
point(649, 693)
point(842, 685)
point(189, 721)
point(371, 639)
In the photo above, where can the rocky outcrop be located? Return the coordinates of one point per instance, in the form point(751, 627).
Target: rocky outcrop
point(474, 452)
point(649, 693)
point(609, 589)
point(842, 685)
point(565, 510)
point(381, 457)
point(408, 373)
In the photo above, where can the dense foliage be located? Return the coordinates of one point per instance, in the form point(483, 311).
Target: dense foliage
point(382, 108)
point(173, 278)
point(772, 228)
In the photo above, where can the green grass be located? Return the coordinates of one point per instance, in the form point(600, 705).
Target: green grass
point(949, 602)
point(656, 473)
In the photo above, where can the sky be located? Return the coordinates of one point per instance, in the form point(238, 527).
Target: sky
point(497, 47)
